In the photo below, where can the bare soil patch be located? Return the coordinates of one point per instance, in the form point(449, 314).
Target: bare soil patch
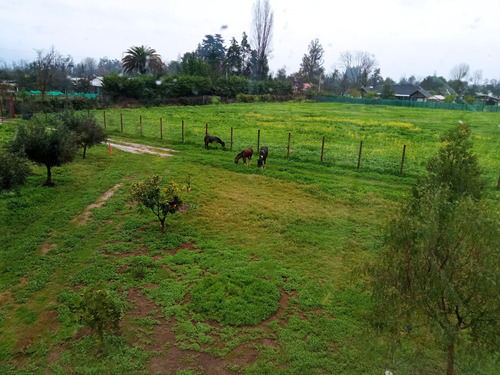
point(84, 217)
point(188, 246)
point(47, 246)
point(136, 148)
point(169, 358)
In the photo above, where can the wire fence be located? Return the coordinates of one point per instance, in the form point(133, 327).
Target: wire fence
point(314, 150)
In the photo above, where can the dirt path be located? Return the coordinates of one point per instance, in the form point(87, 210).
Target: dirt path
point(137, 148)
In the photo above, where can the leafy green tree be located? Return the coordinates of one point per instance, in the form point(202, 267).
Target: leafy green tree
point(375, 78)
point(233, 62)
point(312, 62)
point(160, 200)
point(13, 170)
point(194, 66)
point(469, 99)
point(142, 59)
point(455, 166)
point(213, 52)
point(436, 84)
point(450, 98)
point(88, 132)
point(248, 57)
point(441, 270)
point(370, 95)
point(51, 148)
point(387, 90)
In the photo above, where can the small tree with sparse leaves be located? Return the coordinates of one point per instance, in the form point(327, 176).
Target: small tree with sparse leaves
point(99, 310)
point(160, 200)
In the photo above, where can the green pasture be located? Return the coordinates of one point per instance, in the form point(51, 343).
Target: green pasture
point(265, 272)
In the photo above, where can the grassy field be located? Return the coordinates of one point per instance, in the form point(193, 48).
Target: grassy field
point(263, 271)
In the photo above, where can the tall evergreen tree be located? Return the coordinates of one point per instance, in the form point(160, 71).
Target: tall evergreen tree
point(312, 63)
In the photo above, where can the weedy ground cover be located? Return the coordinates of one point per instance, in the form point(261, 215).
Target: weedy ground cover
point(262, 272)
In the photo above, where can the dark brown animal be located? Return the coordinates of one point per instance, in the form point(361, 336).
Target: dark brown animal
point(210, 138)
point(263, 157)
point(245, 154)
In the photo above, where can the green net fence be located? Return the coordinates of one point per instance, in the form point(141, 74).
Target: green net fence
point(58, 93)
point(410, 103)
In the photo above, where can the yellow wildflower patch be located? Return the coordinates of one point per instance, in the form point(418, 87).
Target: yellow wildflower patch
point(398, 124)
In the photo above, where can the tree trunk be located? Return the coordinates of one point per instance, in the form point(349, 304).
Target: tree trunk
point(451, 358)
point(49, 177)
point(84, 149)
point(162, 221)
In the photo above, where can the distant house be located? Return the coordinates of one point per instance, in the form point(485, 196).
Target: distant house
point(8, 87)
point(94, 83)
point(405, 91)
point(488, 99)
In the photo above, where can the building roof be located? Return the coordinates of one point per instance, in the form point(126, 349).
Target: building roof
point(436, 98)
point(401, 90)
point(96, 82)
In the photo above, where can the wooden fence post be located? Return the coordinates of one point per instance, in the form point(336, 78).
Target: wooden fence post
point(104, 113)
point(140, 125)
point(231, 138)
point(288, 148)
point(402, 160)
point(161, 127)
point(206, 128)
point(121, 122)
point(258, 140)
point(498, 185)
point(322, 148)
point(182, 131)
point(360, 148)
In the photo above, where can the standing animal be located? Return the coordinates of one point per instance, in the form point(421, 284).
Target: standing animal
point(263, 157)
point(245, 154)
point(210, 138)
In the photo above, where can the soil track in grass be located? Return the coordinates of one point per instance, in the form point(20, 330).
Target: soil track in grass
point(84, 217)
point(136, 148)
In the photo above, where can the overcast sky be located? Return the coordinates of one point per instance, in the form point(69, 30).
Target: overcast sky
point(405, 37)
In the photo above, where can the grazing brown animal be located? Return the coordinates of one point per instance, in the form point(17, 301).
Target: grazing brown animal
point(245, 154)
point(210, 138)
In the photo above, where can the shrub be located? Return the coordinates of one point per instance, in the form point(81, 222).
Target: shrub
point(99, 310)
point(235, 299)
point(14, 170)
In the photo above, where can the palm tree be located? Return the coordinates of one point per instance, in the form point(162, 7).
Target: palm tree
point(141, 60)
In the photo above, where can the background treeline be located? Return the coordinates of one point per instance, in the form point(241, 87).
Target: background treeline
point(235, 71)
point(178, 88)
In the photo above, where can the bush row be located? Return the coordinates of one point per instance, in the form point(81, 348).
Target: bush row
point(148, 88)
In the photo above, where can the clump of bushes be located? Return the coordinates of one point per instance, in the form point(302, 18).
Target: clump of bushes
point(235, 299)
point(14, 170)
